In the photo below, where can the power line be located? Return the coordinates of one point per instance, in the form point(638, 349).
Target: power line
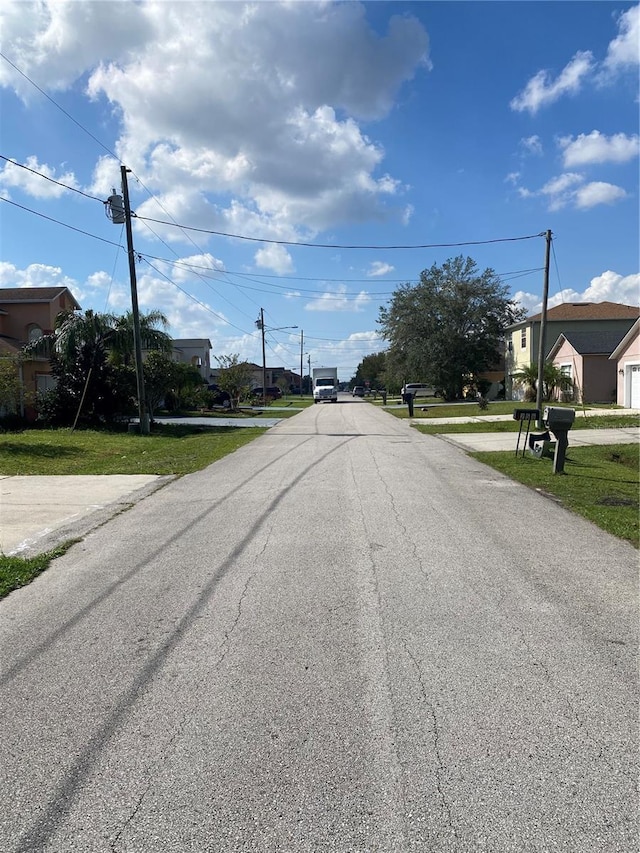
point(338, 245)
point(193, 298)
point(51, 180)
point(62, 110)
point(58, 222)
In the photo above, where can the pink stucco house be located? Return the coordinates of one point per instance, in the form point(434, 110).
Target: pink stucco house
point(585, 357)
point(626, 358)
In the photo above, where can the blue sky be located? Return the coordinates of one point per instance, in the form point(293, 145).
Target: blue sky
point(350, 124)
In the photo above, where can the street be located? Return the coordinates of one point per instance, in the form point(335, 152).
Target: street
point(345, 636)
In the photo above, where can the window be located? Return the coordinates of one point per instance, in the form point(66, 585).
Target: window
point(45, 382)
point(523, 338)
point(567, 370)
point(34, 333)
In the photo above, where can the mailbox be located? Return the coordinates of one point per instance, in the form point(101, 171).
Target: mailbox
point(559, 421)
point(556, 418)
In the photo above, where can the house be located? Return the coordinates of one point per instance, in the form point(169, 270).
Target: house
point(584, 357)
point(522, 340)
point(194, 351)
point(26, 314)
point(626, 358)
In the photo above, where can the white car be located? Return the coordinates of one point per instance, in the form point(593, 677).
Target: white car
point(417, 389)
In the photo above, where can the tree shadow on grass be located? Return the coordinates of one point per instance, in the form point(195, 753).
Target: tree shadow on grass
point(42, 451)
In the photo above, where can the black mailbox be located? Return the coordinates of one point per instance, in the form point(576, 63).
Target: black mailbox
point(556, 418)
point(559, 421)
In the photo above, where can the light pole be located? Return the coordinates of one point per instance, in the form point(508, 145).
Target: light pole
point(260, 325)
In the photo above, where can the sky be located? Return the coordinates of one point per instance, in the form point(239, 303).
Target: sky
point(385, 136)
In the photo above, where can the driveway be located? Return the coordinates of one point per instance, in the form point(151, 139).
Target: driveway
point(345, 636)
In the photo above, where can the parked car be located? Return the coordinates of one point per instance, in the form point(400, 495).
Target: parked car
point(218, 396)
point(272, 392)
point(417, 389)
point(358, 391)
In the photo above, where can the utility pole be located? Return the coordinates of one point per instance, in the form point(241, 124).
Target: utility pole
point(142, 405)
point(543, 328)
point(260, 325)
point(301, 348)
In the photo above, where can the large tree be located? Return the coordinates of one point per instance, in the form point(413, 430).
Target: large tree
point(448, 328)
point(371, 371)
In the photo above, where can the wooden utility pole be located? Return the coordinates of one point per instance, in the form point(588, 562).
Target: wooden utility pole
point(543, 328)
point(260, 325)
point(301, 349)
point(142, 404)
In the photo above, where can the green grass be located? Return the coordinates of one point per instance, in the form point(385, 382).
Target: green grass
point(179, 449)
point(601, 483)
point(18, 571)
point(581, 422)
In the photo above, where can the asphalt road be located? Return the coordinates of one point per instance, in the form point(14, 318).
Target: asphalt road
point(346, 636)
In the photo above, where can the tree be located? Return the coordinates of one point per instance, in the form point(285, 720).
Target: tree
point(121, 340)
point(553, 379)
point(234, 377)
point(10, 385)
point(447, 328)
point(159, 378)
point(89, 355)
point(372, 370)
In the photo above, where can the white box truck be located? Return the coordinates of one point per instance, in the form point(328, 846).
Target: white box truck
point(325, 384)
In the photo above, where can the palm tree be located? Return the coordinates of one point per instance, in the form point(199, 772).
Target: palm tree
point(84, 343)
point(553, 379)
point(121, 343)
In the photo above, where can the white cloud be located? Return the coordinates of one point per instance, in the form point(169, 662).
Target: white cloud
point(532, 145)
point(609, 286)
point(561, 190)
point(569, 189)
point(612, 287)
point(275, 258)
point(512, 178)
point(598, 192)
point(379, 268)
point(36, 275)
point(596, 147)
point(338, 300)
point(624, 49)
point(13, 175)
point(233, 98)
point(541, 90)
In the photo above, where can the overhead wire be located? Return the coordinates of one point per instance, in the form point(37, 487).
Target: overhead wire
point(51, 180)
point(194, 299)
point(339, 245)
point(59, 222)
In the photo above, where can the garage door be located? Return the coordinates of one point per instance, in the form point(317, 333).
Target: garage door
point(634, 402)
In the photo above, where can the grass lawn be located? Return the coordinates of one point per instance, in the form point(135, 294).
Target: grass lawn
point(170, 449)
point(179, 449)
point(602, 483)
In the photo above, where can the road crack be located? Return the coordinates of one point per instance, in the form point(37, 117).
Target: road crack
point(440, 768)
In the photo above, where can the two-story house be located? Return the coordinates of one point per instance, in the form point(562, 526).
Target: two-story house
point(522, 340)
point(194, 351)
point(26, 314)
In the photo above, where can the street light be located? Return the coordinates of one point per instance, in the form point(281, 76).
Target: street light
point(260, 325)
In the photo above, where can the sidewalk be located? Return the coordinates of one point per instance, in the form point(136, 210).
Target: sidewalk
point(38, 513)
point(476, 441)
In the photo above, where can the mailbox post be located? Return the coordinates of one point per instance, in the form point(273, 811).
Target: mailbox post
point(408, 398)
point(559, 421)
